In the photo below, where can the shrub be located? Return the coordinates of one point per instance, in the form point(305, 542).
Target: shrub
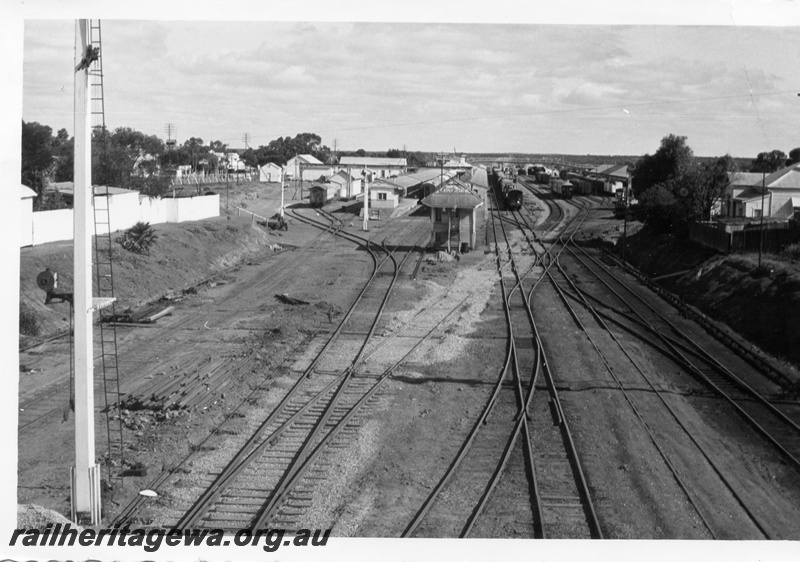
point(792, 251)
point(138, 238)
point(28, 322)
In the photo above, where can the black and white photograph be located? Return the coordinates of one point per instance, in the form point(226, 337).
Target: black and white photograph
point(322, 280)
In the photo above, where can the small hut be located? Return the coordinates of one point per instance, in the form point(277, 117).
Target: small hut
point(453, 215)
point(322, 193)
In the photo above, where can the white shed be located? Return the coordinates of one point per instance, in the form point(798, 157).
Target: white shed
point(383, 195)
point(270, 172)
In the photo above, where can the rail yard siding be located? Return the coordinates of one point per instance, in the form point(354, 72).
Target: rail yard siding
point(125, 211)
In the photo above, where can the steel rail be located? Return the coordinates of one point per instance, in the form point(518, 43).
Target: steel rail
point(299, 463)
point(675, 416)
point(684, 487)
point(342, 381)
point(572, 452)
point(716, 365)
point(246, 454)
point(125, 516)
point(270, 509)
point(467, 443)
point(524, 403)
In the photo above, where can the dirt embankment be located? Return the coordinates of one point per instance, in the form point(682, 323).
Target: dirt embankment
point(761, 304)
point(183, 255)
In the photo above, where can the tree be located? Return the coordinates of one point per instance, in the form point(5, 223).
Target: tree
point(656, 207)
point(37, 157)
point(711, 185)
point(65, 159)
point(794, 156)
point(768, 162)
point(218, 146)
point(61, 137)
point(361, 152)
point(286, 148)
point(671, 161)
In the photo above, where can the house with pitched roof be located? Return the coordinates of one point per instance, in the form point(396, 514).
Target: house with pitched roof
point(270, 172)
point(779, 192)
point(307, 168)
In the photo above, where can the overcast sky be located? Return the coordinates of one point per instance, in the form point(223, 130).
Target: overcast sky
point(601, 89)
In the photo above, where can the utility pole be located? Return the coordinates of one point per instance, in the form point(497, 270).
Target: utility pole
point(625, 223)
point(85, 481)
point(172, 131)
point(761, 228)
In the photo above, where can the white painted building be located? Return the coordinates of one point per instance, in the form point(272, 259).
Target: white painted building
point(347, 182)
point(270, 172)
point(381, 167)
point(383, 194)
point(781, 195)
point(307, 168)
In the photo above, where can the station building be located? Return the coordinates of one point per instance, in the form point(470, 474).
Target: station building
point(380, 167)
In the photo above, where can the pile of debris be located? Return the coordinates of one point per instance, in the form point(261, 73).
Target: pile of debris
point(198, 384)
point(147, 315)
point(441, 255)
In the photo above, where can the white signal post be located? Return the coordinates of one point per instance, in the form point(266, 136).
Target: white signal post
point(86, 473)
point(365, 227)
point(282, 186)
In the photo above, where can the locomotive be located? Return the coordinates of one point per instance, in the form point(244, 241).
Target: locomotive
point(512, 194)
point(505, 187)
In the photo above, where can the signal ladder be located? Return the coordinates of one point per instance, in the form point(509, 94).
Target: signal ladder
point(104, 268)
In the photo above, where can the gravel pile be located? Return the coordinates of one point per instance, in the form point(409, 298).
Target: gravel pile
point(32, 516)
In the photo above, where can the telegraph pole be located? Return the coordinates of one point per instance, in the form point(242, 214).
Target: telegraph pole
point(171, 132)
point(761, 228)
point(85, 489)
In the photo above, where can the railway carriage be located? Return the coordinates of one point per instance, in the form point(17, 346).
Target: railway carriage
point(561, 188)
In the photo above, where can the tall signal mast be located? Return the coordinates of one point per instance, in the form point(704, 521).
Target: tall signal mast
point(85, 488)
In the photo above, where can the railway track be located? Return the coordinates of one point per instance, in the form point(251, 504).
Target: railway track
point(516, 474)
point(273, 475)
point(634, 315)
point(766, 417)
